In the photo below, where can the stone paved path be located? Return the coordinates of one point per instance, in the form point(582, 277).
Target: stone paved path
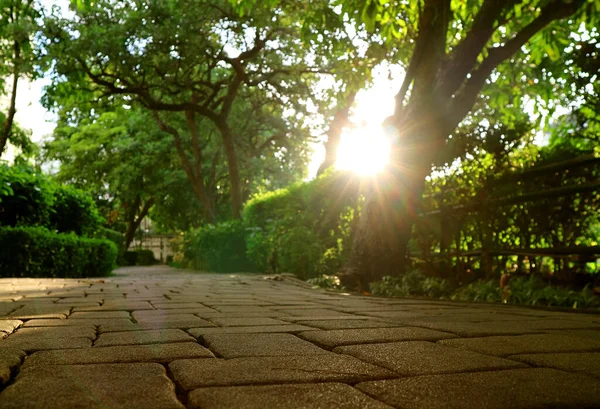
point(161, 338)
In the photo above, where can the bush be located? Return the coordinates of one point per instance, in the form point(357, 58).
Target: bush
point(112, 235)
point(304, 229)
point(220, 248)
point(26, 197)
point(413, 283)
point(31, 199)
point(521, 291)
point(129, 258)
point(38, 252)
point(74, 211)
point(326, 281)
point(145, 257)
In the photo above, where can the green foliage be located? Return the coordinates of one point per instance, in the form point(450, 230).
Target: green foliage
point(129, 258)
point(220, 248)
point(487, 291)
point(29, 198)
point(74, 211)
point(26, 197)
point(412, 283)
point(304, 229)
point(145, 257)
point(532, 291)
point(111, 235)
point(38, 252)
point(330, 282)
point(521, 291)
point(138, 257)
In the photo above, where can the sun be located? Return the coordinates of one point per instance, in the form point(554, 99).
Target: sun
point(364, 150)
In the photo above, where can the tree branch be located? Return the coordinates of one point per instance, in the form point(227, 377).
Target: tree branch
point(466, 97)
point(464, 56)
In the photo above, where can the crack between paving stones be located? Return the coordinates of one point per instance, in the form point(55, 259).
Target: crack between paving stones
point(14, 372)
point(180, 393)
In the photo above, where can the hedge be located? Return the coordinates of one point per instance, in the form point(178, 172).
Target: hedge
point(139, 257)
point(303, 229)
point(220, 248)
point(29, 198)
point(38, 252)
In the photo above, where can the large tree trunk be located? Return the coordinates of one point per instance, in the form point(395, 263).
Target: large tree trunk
point(234, 173)
point(133, 221)
point(394, 197)
point(13, 100)
point(334, 135)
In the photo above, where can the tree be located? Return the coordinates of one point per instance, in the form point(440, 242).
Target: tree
point(463, 54)
point(120, 158)
point(187, 57)
point(17, 27)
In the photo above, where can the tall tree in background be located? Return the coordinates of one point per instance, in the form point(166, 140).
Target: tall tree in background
point(194, 58)
point(17, 27)
point(121, 157)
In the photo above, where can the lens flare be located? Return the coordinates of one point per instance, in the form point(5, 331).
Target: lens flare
point(363, 150)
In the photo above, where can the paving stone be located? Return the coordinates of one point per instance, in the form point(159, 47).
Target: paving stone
point(10, 359)
point(119, 327)
point(272, 314)
point(173, 322)
point(524, 344)
point(79, 300)
point(315, 312)
point(56, 332)
point(329, 367)
point(584, 362)
point(326, 318)
point(346, 324)
point(118, 306)
point(41, 310)
point(78, 322)
point(120, 386)
point(97, 314)
point(198, 332)
point(421, 358)
point(580, 333)
point(515, 389)
point(31, 344)
point(9, 326)
point(340, 337)
point(160, 336)
point(237, 308)
point(476, 329)
point(117, 354)
point(176, 306)
point(245, 322)
point(240, 345)
point(311, 396)
point(150, 314)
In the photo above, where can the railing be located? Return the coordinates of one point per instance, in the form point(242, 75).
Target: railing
point(495, 194)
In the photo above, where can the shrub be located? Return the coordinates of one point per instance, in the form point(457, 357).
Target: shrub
point(413, 283)
point(38, 252)
point(26, 197)
point(74, 211)
point(521, 291)
point(31, 199)
point(326, 281)
point(145, 257)
point(304, 229)
point(220, 248)
point(129, 258)
point(112, 235)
